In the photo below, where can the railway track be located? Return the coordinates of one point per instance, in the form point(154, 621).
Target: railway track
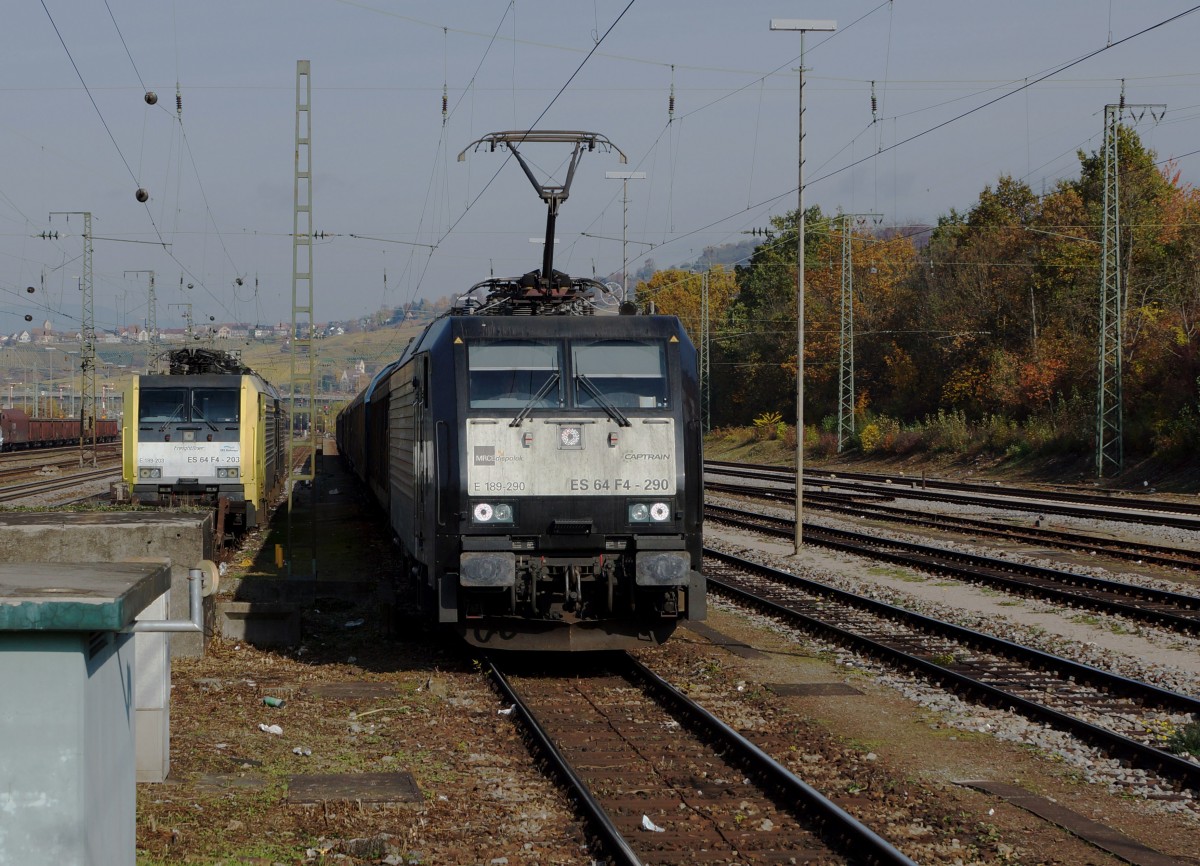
point(662, 780)
point(33, 488)
point(1143, 604)
point(1123, 509)
point(7, 472)
point(1102, 709)
point(1132, 551)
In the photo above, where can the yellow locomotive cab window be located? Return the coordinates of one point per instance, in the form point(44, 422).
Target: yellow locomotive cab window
point(162, 405)
point(216, 405)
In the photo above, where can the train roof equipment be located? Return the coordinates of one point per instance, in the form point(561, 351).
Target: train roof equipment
point(197, 362)
point(547, 291)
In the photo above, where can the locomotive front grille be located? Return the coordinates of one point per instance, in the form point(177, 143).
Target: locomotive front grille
point(572, 526)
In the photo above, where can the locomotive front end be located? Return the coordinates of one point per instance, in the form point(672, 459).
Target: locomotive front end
point(579, 526)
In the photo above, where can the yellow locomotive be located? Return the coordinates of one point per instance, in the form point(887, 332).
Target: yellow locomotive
point(209, 429)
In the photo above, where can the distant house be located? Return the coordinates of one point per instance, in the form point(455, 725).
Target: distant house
point(24, 337)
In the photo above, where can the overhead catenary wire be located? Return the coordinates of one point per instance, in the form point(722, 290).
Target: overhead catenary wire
point(162, 241)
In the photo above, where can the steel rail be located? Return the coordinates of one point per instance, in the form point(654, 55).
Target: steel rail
point(1117, 745)
point(849, 835)
point(1157, 514)
point(614, 843)
point(854, 835)
point(1104, 498)
point(20, 491)
point(1134, 551)
point(1051, 583)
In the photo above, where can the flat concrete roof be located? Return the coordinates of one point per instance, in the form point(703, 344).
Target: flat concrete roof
point(86, 596)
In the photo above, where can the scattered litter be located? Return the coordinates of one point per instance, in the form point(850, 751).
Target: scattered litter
point(351, 660)
point(271, 729)
point(507, 712)
point(302, 751)
point(355, 623)
point(333, 491)
point(222, 569)
point(354, 715)
point(442, 798)
point(650, 826)
point(221, 746)
point(273, 702)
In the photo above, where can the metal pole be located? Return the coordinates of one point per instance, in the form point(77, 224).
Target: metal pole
point(803, 25)
point(624, 238)
point(625, 177)
point(798, 540)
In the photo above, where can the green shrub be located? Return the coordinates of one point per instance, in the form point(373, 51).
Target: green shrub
point(1186, 740)
point(768, 425)
point(949, 431)
point(1178, 437)
point(870, 439)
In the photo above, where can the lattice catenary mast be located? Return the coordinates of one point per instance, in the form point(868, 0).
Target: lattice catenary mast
point(846, 354)
point(1110, 434)
point(87, 340)
point(303, 326)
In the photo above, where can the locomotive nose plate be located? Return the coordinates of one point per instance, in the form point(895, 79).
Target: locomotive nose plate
point(504, 461)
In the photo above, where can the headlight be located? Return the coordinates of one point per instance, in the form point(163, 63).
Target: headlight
point(149, 472)
point(489, 512)
point(649, 512)
point(228, 472)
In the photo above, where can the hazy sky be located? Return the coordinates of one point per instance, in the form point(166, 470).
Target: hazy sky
point(220, 174)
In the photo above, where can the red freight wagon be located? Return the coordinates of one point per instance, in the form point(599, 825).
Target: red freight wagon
point(18, 430)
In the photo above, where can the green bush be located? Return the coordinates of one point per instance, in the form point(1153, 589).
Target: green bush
point(1179, 437)
point(949, 431)
point(870, 439)
point(768, 425)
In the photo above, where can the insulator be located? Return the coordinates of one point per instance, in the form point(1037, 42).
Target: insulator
point(30, 289)
point(671, 98)
point(151, 97)
point(178, 102)
point(28, 317)
point(141, 195)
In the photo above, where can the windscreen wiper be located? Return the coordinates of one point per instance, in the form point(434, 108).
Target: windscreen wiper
point(605, 403)
point(534, 400)
point(178, 409)
point(196, 411)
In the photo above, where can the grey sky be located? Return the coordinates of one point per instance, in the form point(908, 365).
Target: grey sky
point(384, 166)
